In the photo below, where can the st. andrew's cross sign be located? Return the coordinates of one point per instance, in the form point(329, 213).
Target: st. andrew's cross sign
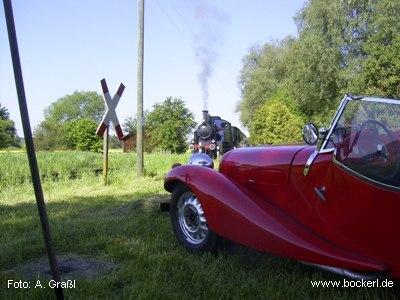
point(111, 114)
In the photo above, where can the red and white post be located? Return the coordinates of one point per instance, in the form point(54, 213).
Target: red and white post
point(111, 114)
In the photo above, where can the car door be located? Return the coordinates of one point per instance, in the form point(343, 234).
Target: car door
point(352, 190)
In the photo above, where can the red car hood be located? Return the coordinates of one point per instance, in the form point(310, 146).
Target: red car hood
point(270, 164)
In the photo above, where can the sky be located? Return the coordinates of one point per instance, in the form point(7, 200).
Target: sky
point(72, 44)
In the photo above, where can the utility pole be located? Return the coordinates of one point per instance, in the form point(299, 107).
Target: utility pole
point(139, 119)
point(30, 147)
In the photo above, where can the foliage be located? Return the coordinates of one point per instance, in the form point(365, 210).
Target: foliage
point(53, 133)
point(88, 105)
point(380, 74)
point(50, 136)
point(4, 114)
point(342, 46)
point(8, 133)
point(81, 135)
point(114, 142)
point(8, 136)
point(274, 123)
point(263, 72)
point(168, 125)
point(313, 80)
point(129, 125)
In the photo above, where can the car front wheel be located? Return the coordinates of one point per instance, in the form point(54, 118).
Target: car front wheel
point(189, 222)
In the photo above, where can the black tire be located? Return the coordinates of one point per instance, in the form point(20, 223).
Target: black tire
point(208, 243)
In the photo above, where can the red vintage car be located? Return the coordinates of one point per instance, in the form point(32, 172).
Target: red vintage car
point(334, 203)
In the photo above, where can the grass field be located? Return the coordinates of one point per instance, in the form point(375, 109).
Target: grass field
point(121, 222)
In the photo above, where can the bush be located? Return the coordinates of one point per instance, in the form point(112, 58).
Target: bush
point(53, 132)
point(50, 136)
point(274, 123)
point(168, 125)
point(82, 136)
point(8, 134)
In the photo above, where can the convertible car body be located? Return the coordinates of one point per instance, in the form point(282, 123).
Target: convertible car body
point(333, 203)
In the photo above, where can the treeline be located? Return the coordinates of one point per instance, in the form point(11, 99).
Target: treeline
point(8, 133)
point(343, 46)
point(70, 123)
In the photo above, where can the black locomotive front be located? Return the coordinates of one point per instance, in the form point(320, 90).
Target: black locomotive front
point(215, 136)
point(204, 137)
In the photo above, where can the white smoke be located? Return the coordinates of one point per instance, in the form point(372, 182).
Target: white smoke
point(208, 41)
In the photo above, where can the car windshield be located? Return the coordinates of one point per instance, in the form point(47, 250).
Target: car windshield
point(367, 139)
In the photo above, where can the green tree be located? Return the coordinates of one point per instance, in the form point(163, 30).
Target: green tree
point(8, 133)
point(313, 80)
point(275, 123)
point(316, 58)
point(168, 125)
point(81, 135)
point(380, 69)
point(129, 125)
point(52, 132)
point(263, 73)
point(308, 68)
point(342, 46)
point(88, 105)
point(50, 135)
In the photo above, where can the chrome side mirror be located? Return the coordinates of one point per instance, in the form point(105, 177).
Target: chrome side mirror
point(310, 134)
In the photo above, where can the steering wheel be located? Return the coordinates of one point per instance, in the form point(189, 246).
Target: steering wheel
point(338, 135)
point(381, 150)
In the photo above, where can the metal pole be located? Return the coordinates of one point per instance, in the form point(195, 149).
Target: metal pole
point(30, 148)
point(139, 125)
point(105, 156)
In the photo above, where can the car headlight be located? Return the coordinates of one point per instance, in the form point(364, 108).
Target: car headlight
point(202, 160)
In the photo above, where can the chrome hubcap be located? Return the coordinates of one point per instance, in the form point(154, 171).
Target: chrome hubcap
point(192, 220)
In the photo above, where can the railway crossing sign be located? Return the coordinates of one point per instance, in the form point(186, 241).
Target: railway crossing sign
point(110, 114)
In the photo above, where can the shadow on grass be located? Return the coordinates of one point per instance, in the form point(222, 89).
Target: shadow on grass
point(131, 231)
point(77, 221)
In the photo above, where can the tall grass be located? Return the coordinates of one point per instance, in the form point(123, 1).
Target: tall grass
point(66, 165)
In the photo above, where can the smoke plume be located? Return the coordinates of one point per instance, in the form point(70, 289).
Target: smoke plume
point(208, 41)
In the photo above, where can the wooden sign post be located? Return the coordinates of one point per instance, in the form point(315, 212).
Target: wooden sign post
point(105, 156)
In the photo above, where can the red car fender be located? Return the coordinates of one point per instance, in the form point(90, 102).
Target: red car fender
point(238, 216)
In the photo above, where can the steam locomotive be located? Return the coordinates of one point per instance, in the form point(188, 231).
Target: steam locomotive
point(215, 136)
